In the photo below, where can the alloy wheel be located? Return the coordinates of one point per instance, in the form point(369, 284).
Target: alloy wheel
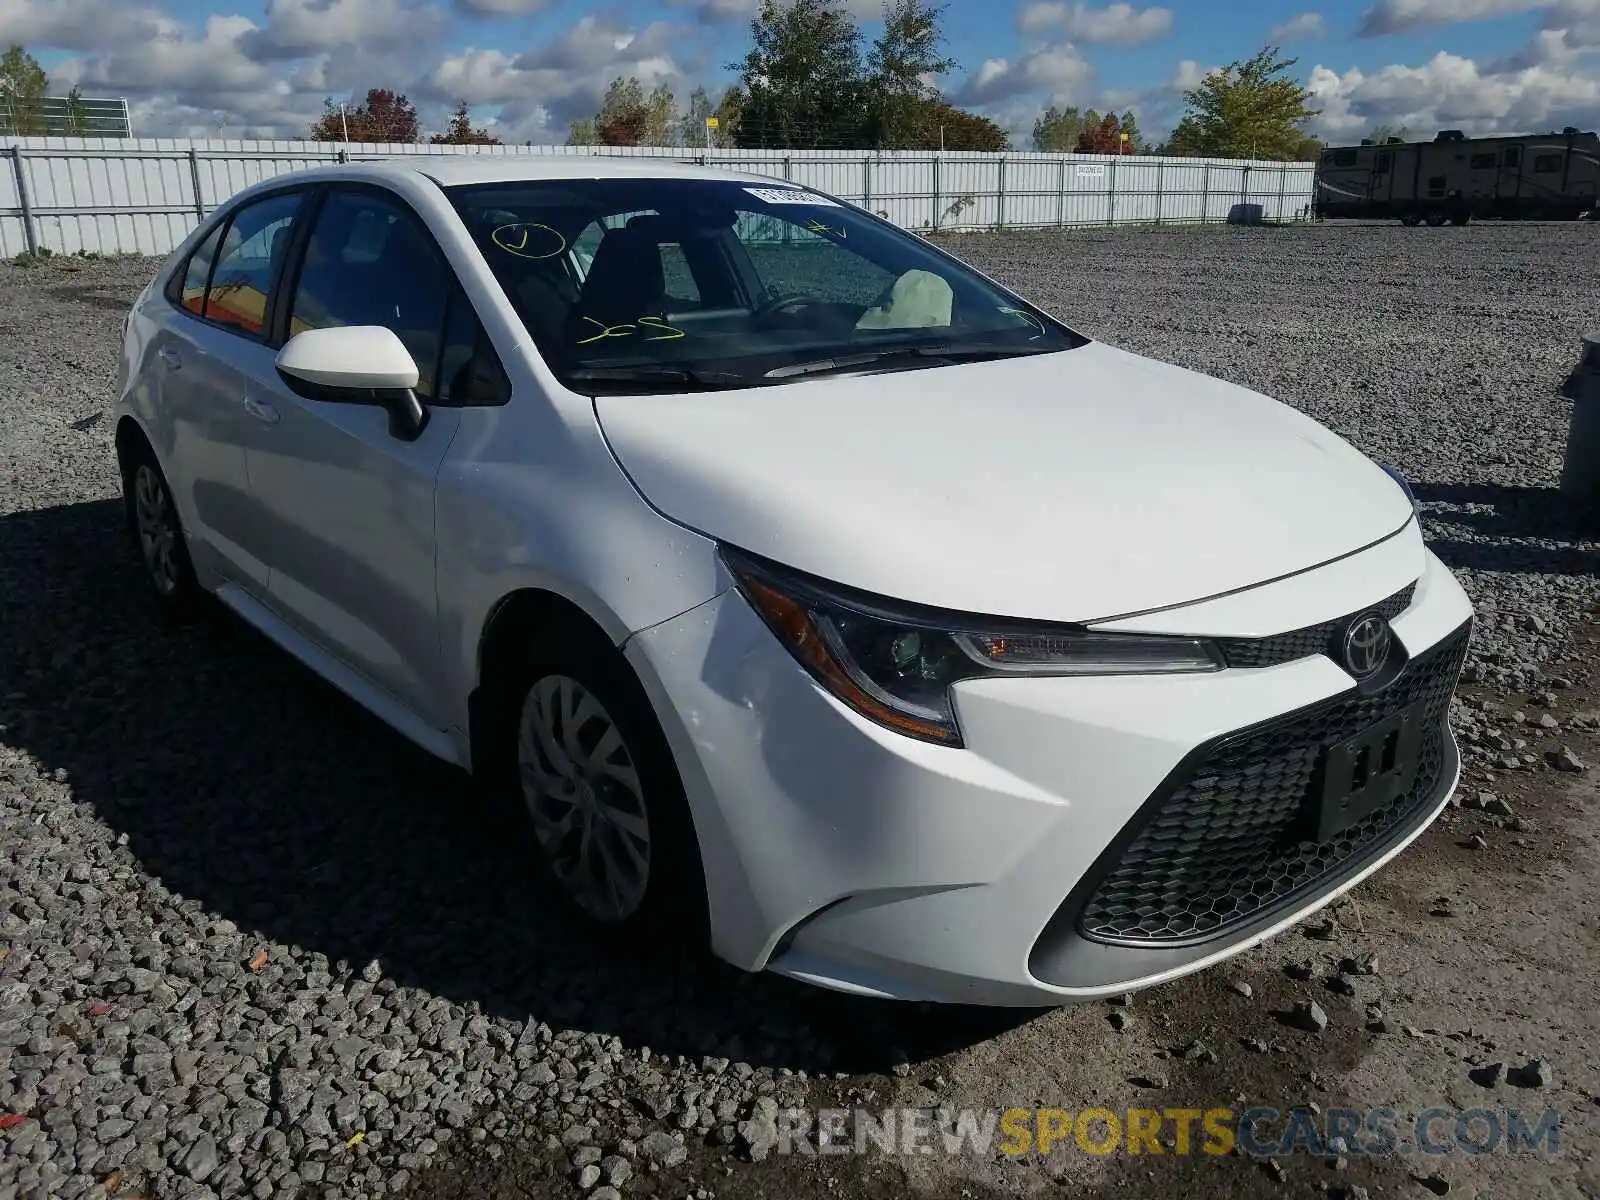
point(158, 529)
point(582, 792)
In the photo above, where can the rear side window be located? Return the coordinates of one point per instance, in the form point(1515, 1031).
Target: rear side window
point(1344, 158)
point(252, 248)
point(191, 294)
point(1547, 164)
point(370, 261)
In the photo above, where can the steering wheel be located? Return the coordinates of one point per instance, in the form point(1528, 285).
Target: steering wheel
point(775, 304)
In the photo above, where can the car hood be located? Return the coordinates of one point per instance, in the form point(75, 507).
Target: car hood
point(1074, 487)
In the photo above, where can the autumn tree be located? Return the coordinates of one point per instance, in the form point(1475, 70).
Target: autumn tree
point(582, 133)
point(1056, 129)
point(1249, 109)
point(384, 116)
point(940, 124)
point(460, 131)
point(630, 117)
point(902, 70)
point(1103, 137)
point(23, 85)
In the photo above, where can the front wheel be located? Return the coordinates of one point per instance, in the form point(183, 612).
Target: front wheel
point(603, 804)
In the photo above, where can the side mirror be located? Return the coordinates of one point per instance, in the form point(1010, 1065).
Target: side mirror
point(356, 364)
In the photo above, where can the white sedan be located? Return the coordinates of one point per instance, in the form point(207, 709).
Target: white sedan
point(814, 596)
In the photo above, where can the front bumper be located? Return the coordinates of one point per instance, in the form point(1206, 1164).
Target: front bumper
point(843, 854)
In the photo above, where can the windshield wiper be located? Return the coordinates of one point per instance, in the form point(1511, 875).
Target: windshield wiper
point(949, 354)
point(658, 377)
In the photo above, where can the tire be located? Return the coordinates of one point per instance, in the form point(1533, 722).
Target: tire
point(624, 805)
point(1411, 220)
point(1461, 218)
point(1436, 219)
point(157, 533)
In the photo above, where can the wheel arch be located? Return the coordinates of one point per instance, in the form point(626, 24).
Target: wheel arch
point(520, 620)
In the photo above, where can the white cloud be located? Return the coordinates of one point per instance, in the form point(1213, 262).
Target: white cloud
point(1451, 92)
point(1398, 16)
point(500, 8)
point(1299, 28)
point(1060, 72)
point(298, 28)
point(1115, 25)
point(82, 25)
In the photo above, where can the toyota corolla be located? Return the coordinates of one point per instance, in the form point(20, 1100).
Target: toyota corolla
point(814, 597)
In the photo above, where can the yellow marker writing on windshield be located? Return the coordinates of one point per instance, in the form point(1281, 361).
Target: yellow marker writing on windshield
point(529, 239)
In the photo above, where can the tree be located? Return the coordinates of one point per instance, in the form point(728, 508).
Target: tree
point(1103, 137)
point(77, 121)
point(802, 78)
point(1130, 127)
point(23, 85)
point(1381, 133)
point(460, 131)
point(583, 133)
point(902, 70)
point(384, 116)
point(939, 124)
point(628, 117)
point(1246, 110)
point(1056, 130)
point(692, 128)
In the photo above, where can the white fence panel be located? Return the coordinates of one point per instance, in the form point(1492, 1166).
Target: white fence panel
point(143, 195)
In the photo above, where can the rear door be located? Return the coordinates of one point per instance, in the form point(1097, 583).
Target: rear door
point(1508, 186)
point(209, 348)
point(351, 505)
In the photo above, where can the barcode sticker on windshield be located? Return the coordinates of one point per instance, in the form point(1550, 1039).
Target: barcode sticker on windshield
point(789, 196)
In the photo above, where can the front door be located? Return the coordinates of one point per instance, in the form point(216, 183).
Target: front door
point(351, 504)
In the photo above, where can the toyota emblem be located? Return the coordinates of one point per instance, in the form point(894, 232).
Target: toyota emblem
point(1366, 644)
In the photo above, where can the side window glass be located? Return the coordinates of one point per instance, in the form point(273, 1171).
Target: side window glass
point(584, 246)
point(1547, 164)
point(676, 275)
point(370, 261)
point(251, 249)
point(192, 292)
point(470, 372)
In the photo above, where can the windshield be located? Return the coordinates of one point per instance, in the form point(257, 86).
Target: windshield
point(671, 284)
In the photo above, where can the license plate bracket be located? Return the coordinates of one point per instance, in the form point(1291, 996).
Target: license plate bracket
point(1362, 774)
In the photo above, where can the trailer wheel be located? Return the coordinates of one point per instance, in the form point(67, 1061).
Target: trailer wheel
point(1436, 219)
point(1411, 219)
point(1460, 218)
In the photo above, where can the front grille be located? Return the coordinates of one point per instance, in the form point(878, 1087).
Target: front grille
point(1227, 842)
point(1303, 643)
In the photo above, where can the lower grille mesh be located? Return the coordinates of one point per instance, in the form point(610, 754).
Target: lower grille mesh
point(1226, 844)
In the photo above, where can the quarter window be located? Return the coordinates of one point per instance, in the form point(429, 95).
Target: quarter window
point(191, 294)
point(369, 261)
point(1547, 164)
point(239, 294)
point(470, 372)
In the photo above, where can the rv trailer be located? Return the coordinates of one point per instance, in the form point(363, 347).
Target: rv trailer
point(1454, 178)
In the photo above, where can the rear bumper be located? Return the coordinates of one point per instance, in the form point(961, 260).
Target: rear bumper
point(845, 855)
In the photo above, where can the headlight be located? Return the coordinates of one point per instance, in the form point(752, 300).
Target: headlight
point(896, 666)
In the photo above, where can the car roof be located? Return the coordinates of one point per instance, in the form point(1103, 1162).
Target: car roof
point(453, 170)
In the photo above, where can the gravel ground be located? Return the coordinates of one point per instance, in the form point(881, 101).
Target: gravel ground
point(252, 943)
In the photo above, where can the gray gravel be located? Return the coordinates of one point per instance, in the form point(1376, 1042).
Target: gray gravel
point(254, 944)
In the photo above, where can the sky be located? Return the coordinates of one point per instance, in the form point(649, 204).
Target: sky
point(528, 68)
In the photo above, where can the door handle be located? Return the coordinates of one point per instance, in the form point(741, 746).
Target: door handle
point(261, 410)
point(172, 359)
